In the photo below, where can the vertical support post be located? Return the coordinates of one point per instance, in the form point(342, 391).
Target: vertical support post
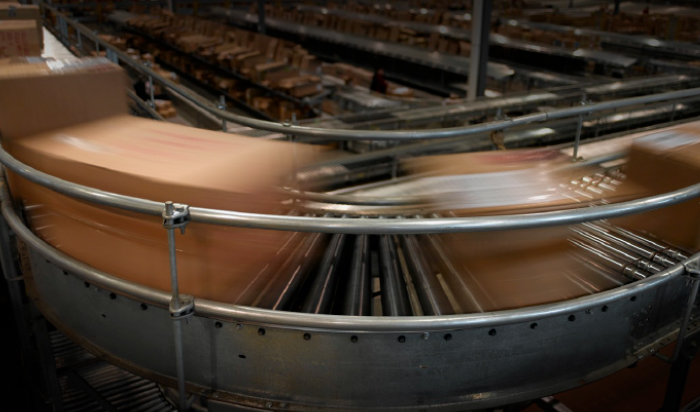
point(479, 57)
point(222, 106)
point(579, 127)
point(617, 7)
point(693, 273)
point(80, 40)
point(686, 346)
point(171, 6)
point(261, 16)
point(181, 306)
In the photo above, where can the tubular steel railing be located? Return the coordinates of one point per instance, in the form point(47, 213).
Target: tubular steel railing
point(178, 215)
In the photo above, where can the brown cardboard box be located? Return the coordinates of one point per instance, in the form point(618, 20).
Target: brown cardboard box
point(663, 161)
point(159, 161)
point(16, 11)
point(19, 38)
point(59, 94)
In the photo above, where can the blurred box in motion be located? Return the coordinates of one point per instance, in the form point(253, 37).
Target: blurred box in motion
point(663, 161)
point(41, 96)
point(515, 268)
point(148, 159)
point(19, 38)
point(16, 11)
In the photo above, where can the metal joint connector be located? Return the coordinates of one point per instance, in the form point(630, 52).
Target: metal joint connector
point(182, 309)
point(692, 269)
point(176, 215)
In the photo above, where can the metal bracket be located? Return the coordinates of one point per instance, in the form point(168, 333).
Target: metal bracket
point(176, 215)
point(185, 309)
point(692, 269)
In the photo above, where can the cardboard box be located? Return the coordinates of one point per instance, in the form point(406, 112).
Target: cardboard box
point(663, 161)
point(16, 11)
point(19, 38)
point(160, 161)
point(42, 96)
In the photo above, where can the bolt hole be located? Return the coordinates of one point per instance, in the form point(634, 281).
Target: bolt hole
point(307, 336)
point(572, 318)
point(144, 306)
point(104, 316)
point(261, 332)
point(353, 339)
point(448, 336)
point(534, 325)
point(218, 325)
point(241, 356)
point(87, 285)
point(588, 312)
point(402, 339)
point(112, 295)
point(605, 308)
point(65, 272)
point(633, 298)
point(492, 332)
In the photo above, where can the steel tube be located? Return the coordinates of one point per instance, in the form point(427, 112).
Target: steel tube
point(660, 248)
point(358, 298)
point(577, 140)
point(319, 298)
point(175, 302)
point(610, 248)
point(628, 270)
point(281, 290)
point(453, 277)
point(224, 311)
point(393, 288)
point(264, 276)
point(354, 226)
point(630, 245)
point(179, 364)
point(342, 134)
point(432, 297)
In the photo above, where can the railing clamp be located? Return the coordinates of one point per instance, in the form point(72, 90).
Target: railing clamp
point(176, 216)
point(183, 309)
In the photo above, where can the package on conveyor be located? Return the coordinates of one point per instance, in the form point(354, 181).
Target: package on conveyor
point(19, 38)
point(262, 70)
point(165, 108)
point(116, 41)
point(523, 267)
point(663, 161)
point(192, 43)
point(16, 11)
point(301, 86)
point(95, 143)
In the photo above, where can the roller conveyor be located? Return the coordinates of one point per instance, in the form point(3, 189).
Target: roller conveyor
point(417, 277)
point(644, 45)
point(278, 357)
point(453, 64)
point(598, 56)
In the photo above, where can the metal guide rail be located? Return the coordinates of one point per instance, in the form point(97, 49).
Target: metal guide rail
point(342, 134)
point(280, 360)
point(224, 351)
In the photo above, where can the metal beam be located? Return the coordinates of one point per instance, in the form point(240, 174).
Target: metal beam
point(261, 16)
point(479, 57)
